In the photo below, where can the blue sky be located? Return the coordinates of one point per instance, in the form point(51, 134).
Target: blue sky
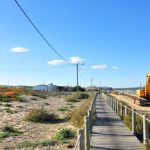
point(112, 37)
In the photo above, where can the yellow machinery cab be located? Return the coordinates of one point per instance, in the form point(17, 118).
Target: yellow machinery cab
point(146, 91)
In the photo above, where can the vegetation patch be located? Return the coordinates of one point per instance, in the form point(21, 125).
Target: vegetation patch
point(8, 131)
point(71, 99)
point(84, 95)
point(41, 115)
point(77, 115)
point(146, 146)
point(65, 134)
point(64, 109)
point(34, 99)
point(139, 125)
point(28, 144)
point(8, 110)
point(4, 98)
point(20, 99)
point(7, 105)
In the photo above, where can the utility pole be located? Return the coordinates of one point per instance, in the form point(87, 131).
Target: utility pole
point(77, 78)
point(91, 82)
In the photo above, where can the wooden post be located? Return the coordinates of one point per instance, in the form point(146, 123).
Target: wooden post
point(117, 110)
point(145, 130)
point(121, 109)
point(125, 111)
point(81, 139)
point(116, 106)
point(133, 122)
point(86, 133)
point(91, 118)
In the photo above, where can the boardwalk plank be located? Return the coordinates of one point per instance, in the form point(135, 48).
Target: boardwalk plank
point(109, 132)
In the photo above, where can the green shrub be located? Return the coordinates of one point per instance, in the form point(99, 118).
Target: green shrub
point(43, 96)
point(8, 110)
point(83, 96)
point(4, 98)
point(33, 98)
point(21, 99)
point(71, 99)
point(7, 105)
point(64, 109)
point(9, 131)
point(41, 115)
point(28, 144)
point(64, 134)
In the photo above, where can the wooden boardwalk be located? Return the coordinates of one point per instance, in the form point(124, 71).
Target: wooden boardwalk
point(109, 133)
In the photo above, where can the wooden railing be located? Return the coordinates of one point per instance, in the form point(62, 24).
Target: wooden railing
point(123, 111)
point(84, 134)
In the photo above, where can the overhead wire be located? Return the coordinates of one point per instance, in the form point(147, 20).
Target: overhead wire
point(43, 37)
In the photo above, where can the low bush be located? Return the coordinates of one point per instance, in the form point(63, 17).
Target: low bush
point(64, 109)
point(33, 98)
point(64, 134)
point(20, 99)
point(77, 115)
point(7, 105)
point(84, 96)
point(71, 99)
point(41, 115)
point(28, 144)
point(4, 98)
point(9, 131)
point(8, 110)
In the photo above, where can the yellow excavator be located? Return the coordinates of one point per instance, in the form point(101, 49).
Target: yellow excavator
point(145, 93)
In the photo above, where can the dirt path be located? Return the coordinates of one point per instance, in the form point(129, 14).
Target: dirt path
point(126, 99)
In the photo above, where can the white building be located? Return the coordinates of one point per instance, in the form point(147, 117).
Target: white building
point(40, 88)
point(49, 87)
point(52, 88)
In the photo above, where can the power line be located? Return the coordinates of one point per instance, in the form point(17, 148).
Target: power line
point(34, 26)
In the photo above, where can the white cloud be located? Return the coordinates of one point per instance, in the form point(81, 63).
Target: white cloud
point(99, 67)
point(75, 60)
point(115, 67)
point(19, 50)
point(56, 62)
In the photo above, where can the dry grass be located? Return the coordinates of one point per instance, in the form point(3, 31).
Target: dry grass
point(76, 117)
point(41, 115)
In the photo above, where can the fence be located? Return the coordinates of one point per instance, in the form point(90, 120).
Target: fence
point(138, 123)
point(84, 134)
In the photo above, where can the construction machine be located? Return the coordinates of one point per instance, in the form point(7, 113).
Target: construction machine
point(144, 94)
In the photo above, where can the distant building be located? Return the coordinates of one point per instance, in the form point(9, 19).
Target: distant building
point(107, 89)
point(52, 88)
point(49, 88)
point(92, 88)
point(40, 88)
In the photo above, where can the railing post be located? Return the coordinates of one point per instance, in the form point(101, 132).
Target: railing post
point(86, 133)
point(117, 111)
point(81, 139)
point(116, 106)
point(145, 130)
point(133, 121)
point(121, 110)
point(125, 110)
point(91, 118)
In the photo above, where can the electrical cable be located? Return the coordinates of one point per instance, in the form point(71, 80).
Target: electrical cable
point(34, 26)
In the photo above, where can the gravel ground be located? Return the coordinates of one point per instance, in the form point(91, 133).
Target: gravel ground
point(33, 131)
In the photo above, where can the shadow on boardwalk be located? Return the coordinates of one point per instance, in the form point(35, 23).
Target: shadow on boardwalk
point(109, 133)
